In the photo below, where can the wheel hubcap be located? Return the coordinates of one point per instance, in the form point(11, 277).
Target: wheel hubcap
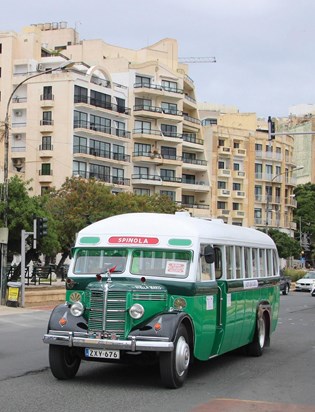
point(182, 356)
point(261, 332)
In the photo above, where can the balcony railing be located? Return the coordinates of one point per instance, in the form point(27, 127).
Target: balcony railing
point(146, 177)
point(46, 123)
point(101, 153)
point(102, 104)
point(158, 87)
point(195, 161)
point(102, 177)
point(44, 97)
point(83, 124)
point(157, 109)
point(47, 146)
point(191, 138)
point(191, 119)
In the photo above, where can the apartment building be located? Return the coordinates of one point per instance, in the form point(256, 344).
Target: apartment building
point(252, 178)
point(126, 117)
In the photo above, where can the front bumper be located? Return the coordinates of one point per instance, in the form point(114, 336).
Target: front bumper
point(304, 288)
point(133, 344)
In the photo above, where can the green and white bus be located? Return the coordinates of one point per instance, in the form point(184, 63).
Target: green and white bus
point(165, 288)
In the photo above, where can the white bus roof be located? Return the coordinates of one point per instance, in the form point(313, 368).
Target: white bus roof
point(167, 226)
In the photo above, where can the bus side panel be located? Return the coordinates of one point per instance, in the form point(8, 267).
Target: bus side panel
point(203, 310)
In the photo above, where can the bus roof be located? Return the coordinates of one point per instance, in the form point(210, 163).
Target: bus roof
point(180, 225)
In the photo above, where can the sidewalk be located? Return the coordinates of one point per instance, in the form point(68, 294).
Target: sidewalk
point(7, 310)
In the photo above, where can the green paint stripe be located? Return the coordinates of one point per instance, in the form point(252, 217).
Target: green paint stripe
point(90, 240)
point(179, 242)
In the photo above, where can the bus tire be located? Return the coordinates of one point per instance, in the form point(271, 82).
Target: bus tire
point(174, 365)
point(256, 347)
point(64, 364)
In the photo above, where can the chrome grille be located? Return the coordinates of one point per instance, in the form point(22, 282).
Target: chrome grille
point(110, 318)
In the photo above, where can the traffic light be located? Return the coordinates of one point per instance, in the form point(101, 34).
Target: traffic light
point(41, 227)
point(271, 128)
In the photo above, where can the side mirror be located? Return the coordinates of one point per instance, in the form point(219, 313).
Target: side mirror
point(209, 254)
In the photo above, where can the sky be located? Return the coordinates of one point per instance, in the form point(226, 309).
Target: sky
point(264, 49)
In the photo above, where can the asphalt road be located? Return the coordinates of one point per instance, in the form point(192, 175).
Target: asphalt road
point(281, 380)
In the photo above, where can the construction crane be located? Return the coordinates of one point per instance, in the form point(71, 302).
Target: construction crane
point(197, 60)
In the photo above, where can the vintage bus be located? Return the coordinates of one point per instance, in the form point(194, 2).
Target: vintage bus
point(164, 288)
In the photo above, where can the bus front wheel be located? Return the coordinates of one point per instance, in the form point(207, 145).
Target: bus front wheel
point(256, 347)
point(64, 363)
point(174, 365)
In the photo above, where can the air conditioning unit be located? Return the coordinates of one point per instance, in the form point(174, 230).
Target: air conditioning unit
point(40, 67)
point(18, 113)
point(17, 136)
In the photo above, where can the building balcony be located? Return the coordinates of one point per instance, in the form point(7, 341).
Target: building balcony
point(146, 179)
point(46, 126)
point(194, 164)
point(189, 120)
point(224, 172)
point(240, 152)
point(46, 150)
point(95, 129)
point(86, 152)
point(238, 194)
point(238, 174)
point(157, 89)
point(191, 141)
point(238, 214)
point(112, 180)
point(224, 150)
point(47, 100)
point(156, 112)
point(224, 193)
point(45, 177)
point(102, 105)
point(195, 186)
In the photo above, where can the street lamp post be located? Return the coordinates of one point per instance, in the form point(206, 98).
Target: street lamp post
point(6, 172)
point(269, 195)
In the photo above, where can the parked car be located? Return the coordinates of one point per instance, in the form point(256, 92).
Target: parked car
point(313, 291)
point(285, 283)
point(307, 282)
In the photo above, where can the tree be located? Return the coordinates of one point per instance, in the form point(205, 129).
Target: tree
point(21, 209)
point(286, 245)
point(305, 216)
point(80, 202)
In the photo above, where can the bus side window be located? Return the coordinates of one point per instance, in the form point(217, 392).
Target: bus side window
point(218, 262)
point(205, 267)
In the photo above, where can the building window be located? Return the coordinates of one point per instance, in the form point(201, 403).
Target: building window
point(169, 108)
point(47, 118)
point(44, 190)
point(221, 185)
point(236, 206)
point(169, 86)
point(79, 169)
point(209, 122)
point(100, 172)
point(0, 48)
point(221, 205)
point(141, 172)
point(188, 200)
point(46, 143)
point(101, 100)
point(141, 149)
point(143, 81)
point(169, 130)
point(236, 186)
point(236, 166)
point(141, 192)
point(118, 176)
point(167, 175)
point(168, 193)
point(79, 144)
point(258, 193)
point(100, 124)
point(236, 145)
point(221, 164)
point(80, 94)
point(45, 170)
point(142, 104)
point(47, 93)
point(168, 152)
point(221, 143)
point(98, 148)
point(258, 147)
point(269, 171)
point(142, 127)
point(258, 170)
point(118, 152)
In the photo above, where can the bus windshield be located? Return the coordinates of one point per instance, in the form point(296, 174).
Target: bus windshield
point(165, 263)
point(90, 261)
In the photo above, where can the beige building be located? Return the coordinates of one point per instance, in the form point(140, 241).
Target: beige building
point(126, 117)
point(252, 178)
point(130, 119)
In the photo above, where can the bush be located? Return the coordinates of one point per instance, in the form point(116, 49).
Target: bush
point(295, 274)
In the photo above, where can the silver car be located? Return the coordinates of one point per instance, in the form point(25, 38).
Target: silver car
point(306, 283)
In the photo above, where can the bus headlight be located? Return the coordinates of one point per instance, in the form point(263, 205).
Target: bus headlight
point(136, 311)
point(77, 309)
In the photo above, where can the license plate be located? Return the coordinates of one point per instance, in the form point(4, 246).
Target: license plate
point(104, 354)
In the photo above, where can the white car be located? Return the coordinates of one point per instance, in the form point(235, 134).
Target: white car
point(306, 283)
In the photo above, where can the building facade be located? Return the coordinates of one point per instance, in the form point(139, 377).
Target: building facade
point(128, 118)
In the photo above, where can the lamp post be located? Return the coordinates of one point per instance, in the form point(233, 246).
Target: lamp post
point(6, 171)
point(269, 196)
